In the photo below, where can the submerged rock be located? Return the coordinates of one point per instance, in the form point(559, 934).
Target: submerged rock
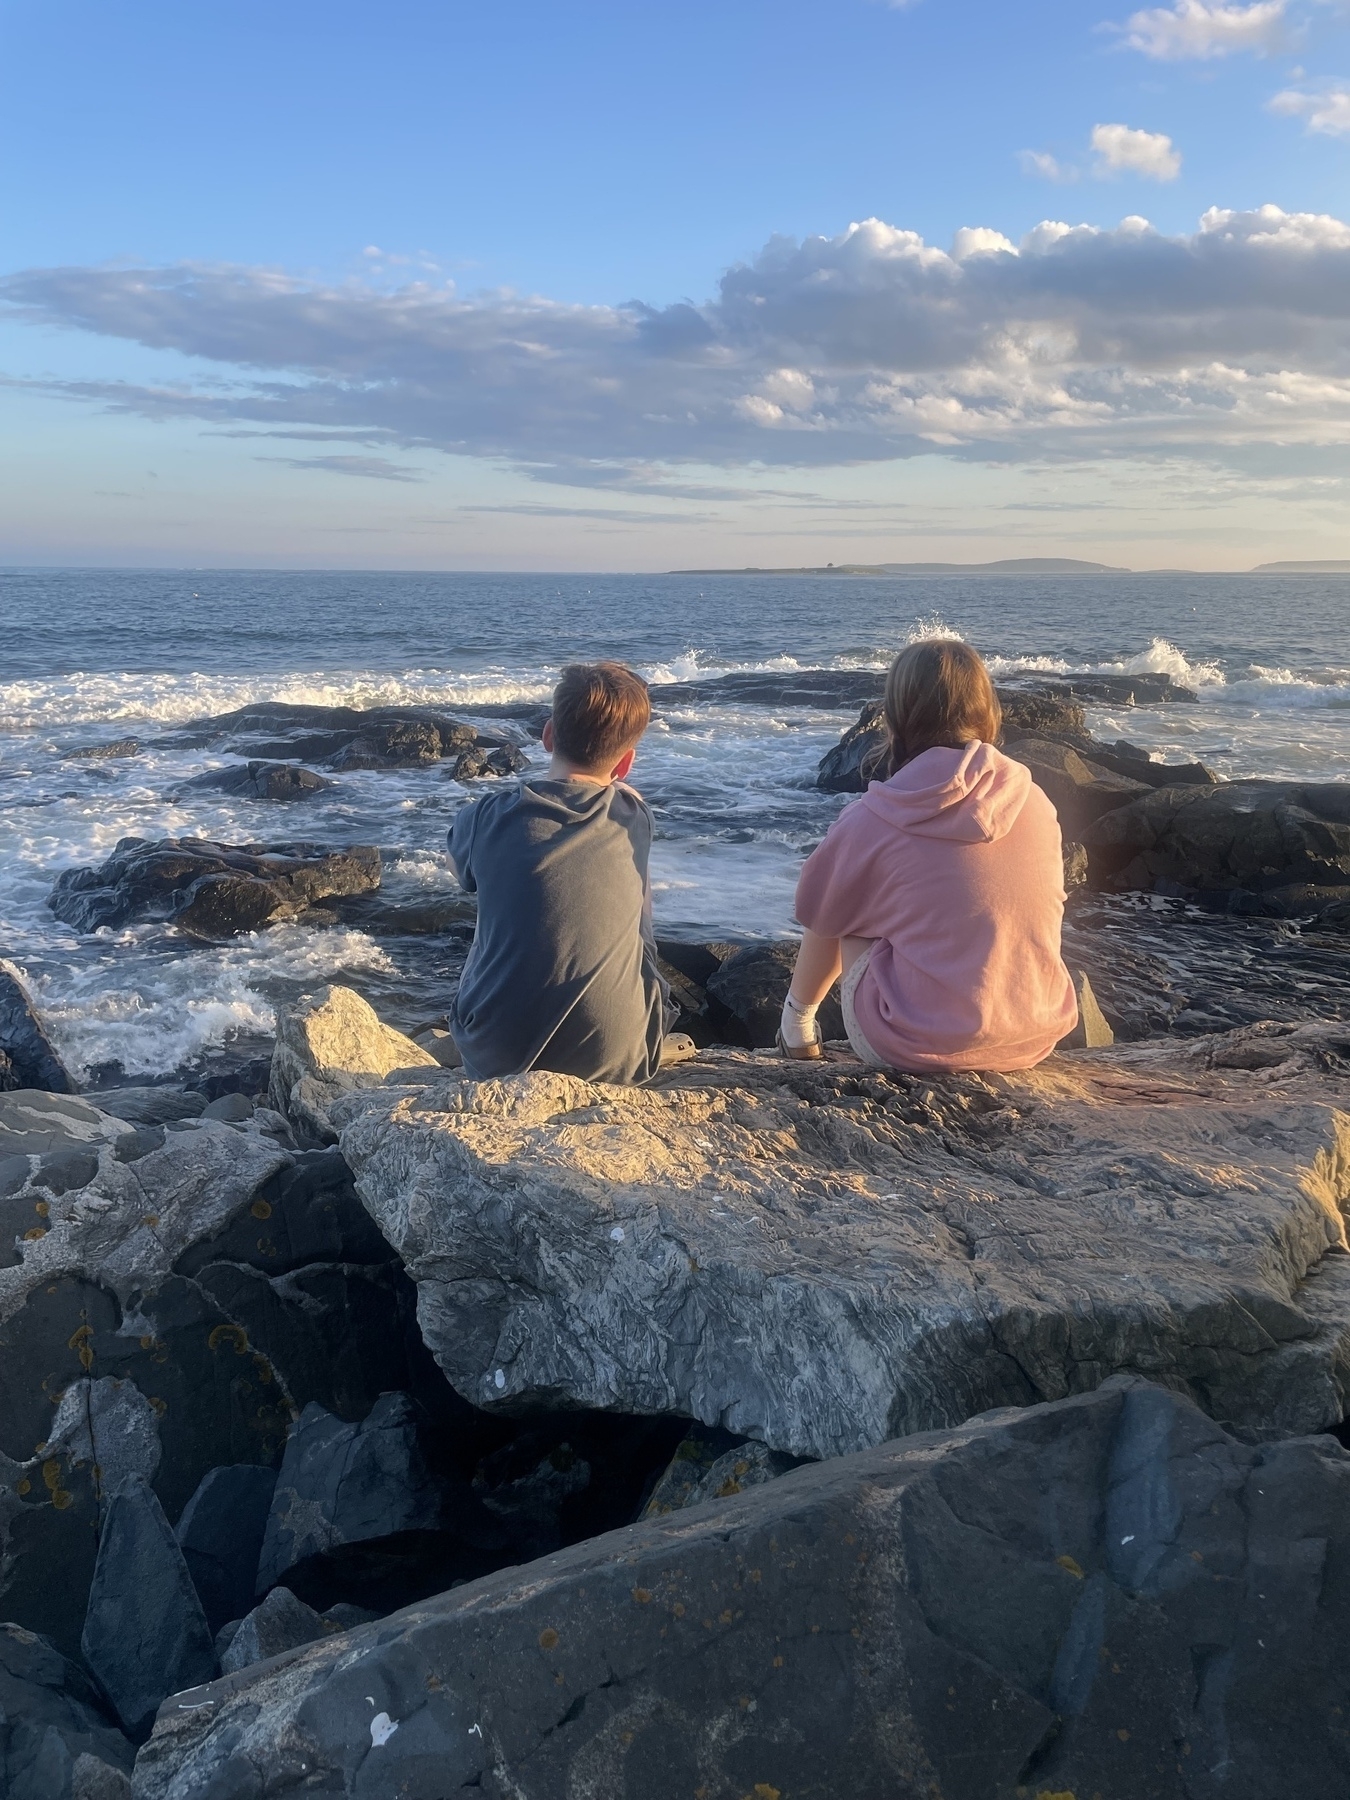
point(1106, 1595)
point(821, 1257)
point(207, 889)
point(56, 1739)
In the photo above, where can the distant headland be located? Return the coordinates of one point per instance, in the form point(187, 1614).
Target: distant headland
point(1022, 565)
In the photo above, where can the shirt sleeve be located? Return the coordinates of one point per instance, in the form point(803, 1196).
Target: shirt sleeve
point(461, 846)
point(833, 889)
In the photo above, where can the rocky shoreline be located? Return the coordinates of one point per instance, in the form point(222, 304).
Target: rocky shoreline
point(775, 1430)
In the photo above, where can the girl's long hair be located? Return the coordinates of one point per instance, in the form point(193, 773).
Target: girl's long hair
point(938, 691)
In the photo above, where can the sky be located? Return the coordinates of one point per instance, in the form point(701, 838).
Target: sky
point(547, 285)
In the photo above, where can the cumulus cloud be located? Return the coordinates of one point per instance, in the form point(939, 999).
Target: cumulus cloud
point(865, 346)
point(1326, 110)
point(1202, 29)
point(1121, 150)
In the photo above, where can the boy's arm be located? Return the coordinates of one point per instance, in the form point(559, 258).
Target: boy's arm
point(460, 841)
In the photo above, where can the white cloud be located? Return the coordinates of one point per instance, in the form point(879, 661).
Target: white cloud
point(833, 351)
point(1202, 29)
point(1049, 168)
point(1121, 150)
point(1326, 110)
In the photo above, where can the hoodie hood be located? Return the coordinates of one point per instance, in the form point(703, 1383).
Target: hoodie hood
point(972, 796)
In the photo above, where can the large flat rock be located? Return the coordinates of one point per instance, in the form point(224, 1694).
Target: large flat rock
point(826, 1257)
point(1107, 1596)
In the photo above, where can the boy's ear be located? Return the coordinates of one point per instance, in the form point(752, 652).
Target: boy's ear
point(546, 736)
point(623, 768)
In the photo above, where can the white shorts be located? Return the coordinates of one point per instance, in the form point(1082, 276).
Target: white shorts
point(847, 989)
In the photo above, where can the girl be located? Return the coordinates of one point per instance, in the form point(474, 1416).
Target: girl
point(940, 893)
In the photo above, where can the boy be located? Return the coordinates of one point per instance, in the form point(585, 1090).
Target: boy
point(562, 972)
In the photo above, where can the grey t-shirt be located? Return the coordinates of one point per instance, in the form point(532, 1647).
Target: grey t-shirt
point(562, 973)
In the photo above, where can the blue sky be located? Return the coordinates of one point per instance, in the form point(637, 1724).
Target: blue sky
point(575, 286)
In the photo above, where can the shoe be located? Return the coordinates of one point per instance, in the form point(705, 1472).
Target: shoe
point(676, 1047)
point(800, 1052)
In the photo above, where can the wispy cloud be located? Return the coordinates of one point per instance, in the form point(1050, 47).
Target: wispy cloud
point(1325, 110)
point(368, 468)
point(865, 346)
point(1202, 29)
point(1121, 150)
point(1048, 167)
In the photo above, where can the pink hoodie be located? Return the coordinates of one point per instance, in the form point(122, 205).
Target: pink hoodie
point(955, 866)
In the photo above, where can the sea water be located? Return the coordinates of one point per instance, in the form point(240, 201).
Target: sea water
point(93, 656)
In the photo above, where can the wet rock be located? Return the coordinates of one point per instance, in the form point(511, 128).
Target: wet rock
point(207, 889)
point(476, 762)
point(1106, 1595)
point(120, 747)
point(28, 1058)
point(246, 1077)
point(1079, 789)
point(279, 1623)
point(1258, 839)
point(1121, 690)
point(346, 737)
point(821, 1257)
point(858, 756)
point(221, 1535)
point(1127, 759)
point(751, 986)
point(263, 781)
point(328, 1044)
point(56, 1740)
point(433, 916)
point(145, 1635)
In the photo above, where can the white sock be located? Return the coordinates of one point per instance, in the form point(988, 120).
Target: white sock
point(799, 1024)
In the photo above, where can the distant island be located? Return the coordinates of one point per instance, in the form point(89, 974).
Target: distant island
point(1015, 565)
point(1302, 568)
point(1025, 565)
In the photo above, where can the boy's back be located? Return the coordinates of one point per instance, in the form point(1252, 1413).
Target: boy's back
point(562, 974)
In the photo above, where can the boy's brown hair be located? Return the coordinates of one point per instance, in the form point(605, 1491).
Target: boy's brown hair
point(600, 710)
point(938, 691)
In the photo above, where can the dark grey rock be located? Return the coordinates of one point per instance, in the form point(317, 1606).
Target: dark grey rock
point(145, 1634)
point(150, 1105)
point(307, 1212)
point(1106, 1595)
point(56, 1740)
point(207, 889)
point(279, 1623)
point(28, 1058)
point(221, 1535)
point(706, 1467)
point(233, 1109)
point(1081, 790)
point(344, 1483)
point(751, 986)
point(264, 781)
point(1258, 839)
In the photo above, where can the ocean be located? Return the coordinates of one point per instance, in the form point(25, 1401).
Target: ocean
point(92, 656)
